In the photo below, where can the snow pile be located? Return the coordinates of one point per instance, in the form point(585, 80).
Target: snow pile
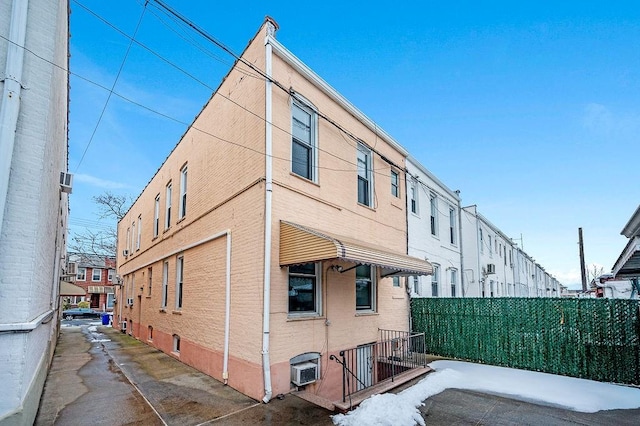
point(402, 408)
point(575, 394)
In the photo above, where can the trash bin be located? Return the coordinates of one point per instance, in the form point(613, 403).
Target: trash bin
point(105, 319)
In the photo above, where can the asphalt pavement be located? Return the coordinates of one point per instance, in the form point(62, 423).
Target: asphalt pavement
point(100, 376)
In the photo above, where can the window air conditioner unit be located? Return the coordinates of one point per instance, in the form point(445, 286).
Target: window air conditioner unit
point(304, 373)
point(66, 182)
point(491, 268)
point(130, 301)
point(125, 253)
point(72, 268)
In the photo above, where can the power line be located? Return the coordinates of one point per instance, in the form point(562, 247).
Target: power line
point(124, 60)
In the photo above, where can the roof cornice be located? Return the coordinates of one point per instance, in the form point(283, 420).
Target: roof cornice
point(632, 228)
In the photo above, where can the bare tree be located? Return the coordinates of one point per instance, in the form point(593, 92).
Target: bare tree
point(594, 271)
point(101, 243)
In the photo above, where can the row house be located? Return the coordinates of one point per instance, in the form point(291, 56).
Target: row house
point(96, 275)
point(34, 196)
point(495, 266)
point(270, 247)
point(434, 233)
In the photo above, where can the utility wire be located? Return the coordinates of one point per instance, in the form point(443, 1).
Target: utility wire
point(124, 60)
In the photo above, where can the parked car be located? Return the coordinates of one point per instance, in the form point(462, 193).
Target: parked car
point(70, 314)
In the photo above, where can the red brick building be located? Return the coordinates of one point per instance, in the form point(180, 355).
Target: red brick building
point(96, 275)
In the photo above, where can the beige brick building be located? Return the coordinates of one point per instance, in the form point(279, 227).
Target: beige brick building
point(288, 161)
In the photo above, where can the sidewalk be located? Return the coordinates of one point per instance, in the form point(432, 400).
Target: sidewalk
point(100, 376)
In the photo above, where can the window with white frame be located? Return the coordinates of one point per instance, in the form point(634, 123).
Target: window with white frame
point(179, 281)
point(96, 274)
point(110, 275)
point(481, 240)
point(433, 219)
point(454, 282)
point(490, 246)
point(139, 236)
point(182, 210)
point(304, 289)
point(365, 288)
point(176, 343)
point(396, 282)
point(395, 184)
point(435, 278)
point(413, 196)
point(81, 275)
point(165, 284)
point(128, 243)
point(417, 288)
point(365, 176)
point(303, 141)
point(133, 235)
point(452, 226)
point(110, 299)
point(156, 217)
point(167, 207)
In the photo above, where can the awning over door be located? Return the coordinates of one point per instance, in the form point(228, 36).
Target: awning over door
point(300, 244)
point(628, 264)
point(69, 289)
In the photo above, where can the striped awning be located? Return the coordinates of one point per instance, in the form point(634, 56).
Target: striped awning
point(300, 244)
point(70, 289)
point(99, 289)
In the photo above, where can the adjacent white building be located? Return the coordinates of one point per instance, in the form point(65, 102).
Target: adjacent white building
point(33, 206)
point(433, 228)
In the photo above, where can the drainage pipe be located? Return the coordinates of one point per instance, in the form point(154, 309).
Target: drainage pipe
point(227, 310)
point(10, 107)
point(266, 308)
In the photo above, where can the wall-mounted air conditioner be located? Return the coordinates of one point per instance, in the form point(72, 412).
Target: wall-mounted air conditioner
point(66, 182)
point(491, 268)
point(304, 373)
point(130, 301)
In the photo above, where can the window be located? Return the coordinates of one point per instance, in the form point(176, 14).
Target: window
point(110, 299)
point(150, 333)
point(481, 241)
point(182, 210)
point(504, 250)
point(176, 343)
point(433, 204)
point(417, 288)
point(395, 184)
point(165, 283)
point(139, 237)
point(179, 281)
point(454, 282)
point(452, 225)
point(110, 275)
point(304, 289)
point(413, 196)
point(303, 142)
point(82, 274)
point(365, 184)
point(490, 247)
point(434, 280)
point(396, 281)
point(156, 217)
point(150, 280)
point(128, 243)
point(365, 288)
point(167, 208)
point(133, 235)
point(96, 274)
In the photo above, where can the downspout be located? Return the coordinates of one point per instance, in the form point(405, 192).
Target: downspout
point(462, 275)
point(227, 310)
point(266, 308)
point(10, 107)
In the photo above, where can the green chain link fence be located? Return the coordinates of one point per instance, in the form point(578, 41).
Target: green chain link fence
point(597, 339)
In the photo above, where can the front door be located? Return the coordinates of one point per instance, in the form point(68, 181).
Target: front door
point(95, 300)
point(364, 366)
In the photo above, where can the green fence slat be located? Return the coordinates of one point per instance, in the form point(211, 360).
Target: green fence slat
point(597, 339)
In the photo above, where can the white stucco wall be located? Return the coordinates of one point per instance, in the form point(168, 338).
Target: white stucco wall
point(35, 217)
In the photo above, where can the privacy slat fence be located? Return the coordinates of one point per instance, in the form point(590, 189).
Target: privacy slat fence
point(597, 339)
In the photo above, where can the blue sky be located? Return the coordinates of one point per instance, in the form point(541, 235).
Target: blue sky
point(531, 112)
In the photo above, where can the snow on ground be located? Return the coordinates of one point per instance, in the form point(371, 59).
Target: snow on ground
point(575, 394)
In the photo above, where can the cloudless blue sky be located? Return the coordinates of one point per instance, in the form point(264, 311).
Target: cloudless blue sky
point(530, 110)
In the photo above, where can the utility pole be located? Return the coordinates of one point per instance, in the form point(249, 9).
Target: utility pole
point(582, 266)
